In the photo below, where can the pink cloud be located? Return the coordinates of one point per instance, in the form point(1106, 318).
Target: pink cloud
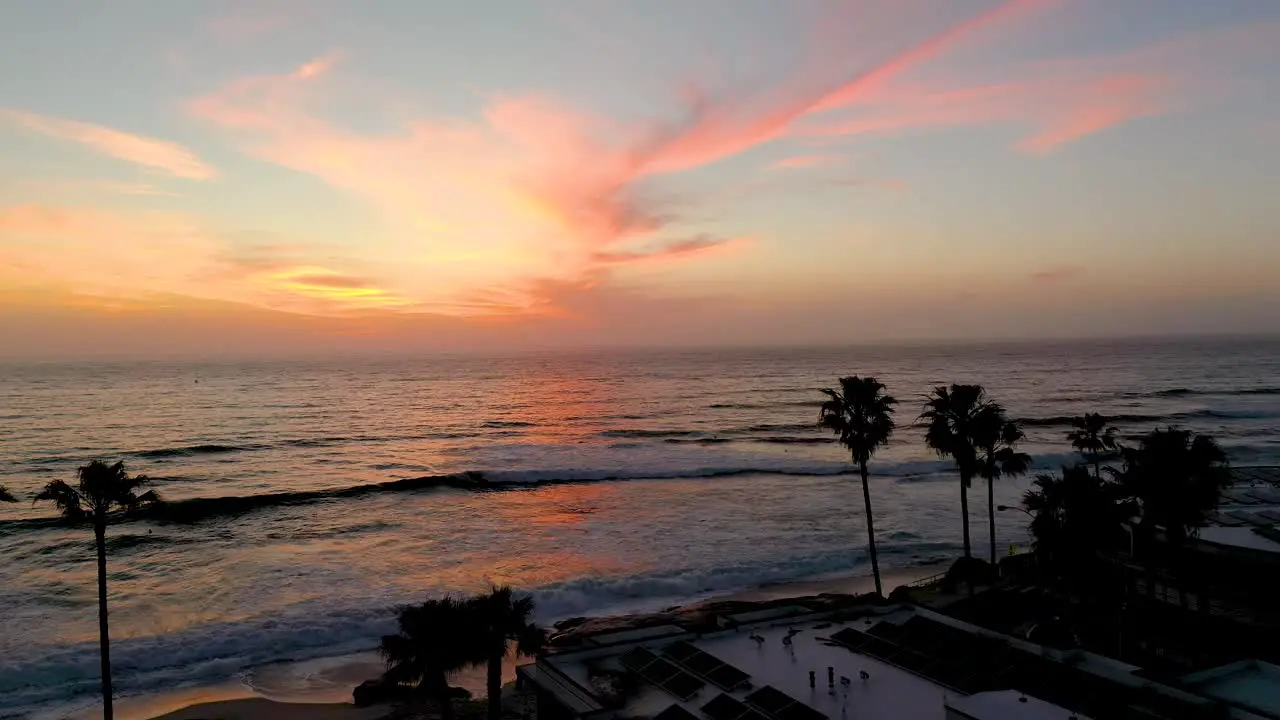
point(713, 129)
point(672, 250)
point(535, 193)
point(162, 155)
point(800, 161)
point(535, 189)
point(1099, 105)
point(1060, 101)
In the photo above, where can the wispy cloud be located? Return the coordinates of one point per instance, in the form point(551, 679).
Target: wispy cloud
point(146, 254)
point(800, 161)
point(535, 190)
point(1058, 273)
point(536, 193)
point(163, 155)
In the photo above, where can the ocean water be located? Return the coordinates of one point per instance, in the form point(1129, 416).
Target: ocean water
point(627, 480)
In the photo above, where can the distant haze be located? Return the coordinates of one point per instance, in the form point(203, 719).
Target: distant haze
point(279, 178)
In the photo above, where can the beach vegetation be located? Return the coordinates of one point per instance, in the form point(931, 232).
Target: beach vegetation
point(952, 417)
point(506, 625)
point(996, 438)
point(434, 639)
point(1095, 439)
point(860, 414)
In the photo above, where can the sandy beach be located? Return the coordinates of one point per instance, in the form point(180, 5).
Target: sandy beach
point(263, 709)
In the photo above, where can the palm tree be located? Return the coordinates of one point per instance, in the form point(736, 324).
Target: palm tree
point(1177, 476)
point(102, 490)
point(1074, 516)
point(862, 416)
point(1094, 439)
point(5, 495)
point(952, 416)
point(997, 438)
point(505, 619)
point(435, 639)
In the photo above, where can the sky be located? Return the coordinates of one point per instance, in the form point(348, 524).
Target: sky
point(259, 177)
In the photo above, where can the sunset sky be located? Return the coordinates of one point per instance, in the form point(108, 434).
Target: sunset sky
point(311, 176)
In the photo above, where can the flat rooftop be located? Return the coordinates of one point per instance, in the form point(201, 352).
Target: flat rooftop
point(1251, 685)
point(1249, 514)
point(895, 662)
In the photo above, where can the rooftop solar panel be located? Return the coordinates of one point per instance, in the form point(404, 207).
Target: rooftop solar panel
point(886, 630)
point(680, 651)
point(637, 659)
point(683, 686)
point(878, 648)
point(702, 663)
point(675, 712)
point(799, 711)
point(770, 699)
point(708, 666)
point(850, 638)
point(727, 677)
point(659, 671)
point(723, 707)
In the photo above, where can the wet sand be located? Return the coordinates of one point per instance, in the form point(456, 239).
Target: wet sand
point(263, 709)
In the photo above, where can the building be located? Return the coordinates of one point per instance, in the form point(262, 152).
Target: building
point(852, 662)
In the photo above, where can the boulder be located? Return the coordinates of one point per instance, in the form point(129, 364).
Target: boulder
point(374, 692)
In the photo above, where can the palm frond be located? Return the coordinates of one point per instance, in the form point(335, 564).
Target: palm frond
point(859, 414)
point(6, 496)
point(66, 499)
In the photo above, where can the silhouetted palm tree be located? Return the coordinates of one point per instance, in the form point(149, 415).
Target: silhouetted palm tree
point(1074, 516)
point(101, 491)
point(435, 639)
point(997, 438)
point(1177, 476)
point(952, 415)
point(5, 496)
point(1093, 438)
point(862, 416)
point(506, 620)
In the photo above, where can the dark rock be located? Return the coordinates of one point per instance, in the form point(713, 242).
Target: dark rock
point(373, 692)
point(459, 693)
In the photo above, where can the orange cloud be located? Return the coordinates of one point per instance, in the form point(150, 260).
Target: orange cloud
point(162, 155)
point(535, 190)
point(135, 257)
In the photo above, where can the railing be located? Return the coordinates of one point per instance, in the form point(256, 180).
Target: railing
point(926, 582)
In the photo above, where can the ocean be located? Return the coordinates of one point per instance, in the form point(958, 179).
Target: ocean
point(623, 480)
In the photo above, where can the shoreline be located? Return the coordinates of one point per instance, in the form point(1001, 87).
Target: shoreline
point(321, 688)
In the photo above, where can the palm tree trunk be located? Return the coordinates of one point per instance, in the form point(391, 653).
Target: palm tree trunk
point(871, 529)
point(443, 698)
point(964, 513)
point(494, 679)
point(104, 640)
point(991, 518)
